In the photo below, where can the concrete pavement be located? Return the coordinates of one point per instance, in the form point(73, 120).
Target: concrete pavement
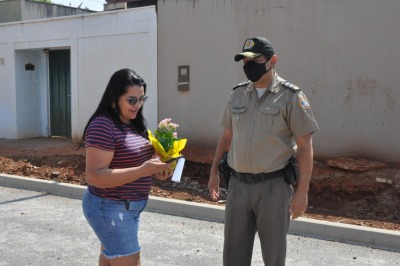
point(367, 236)
point(38, 228)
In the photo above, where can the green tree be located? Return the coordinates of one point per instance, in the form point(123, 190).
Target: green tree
point(44, 1)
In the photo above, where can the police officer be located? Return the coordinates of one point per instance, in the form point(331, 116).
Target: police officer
point(266, 121)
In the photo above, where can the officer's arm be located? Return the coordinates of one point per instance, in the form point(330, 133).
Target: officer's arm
point(305, 162)
point(224, 145)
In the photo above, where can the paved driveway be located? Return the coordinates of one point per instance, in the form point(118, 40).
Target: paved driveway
point(42, 229)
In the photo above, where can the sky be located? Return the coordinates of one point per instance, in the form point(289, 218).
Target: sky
point(96, 5)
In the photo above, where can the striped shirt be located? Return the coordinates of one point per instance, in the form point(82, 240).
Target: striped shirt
point(130, 150)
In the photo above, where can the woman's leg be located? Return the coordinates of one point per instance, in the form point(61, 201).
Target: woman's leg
point(131, 260)
point(117, 227)
point(103, 261)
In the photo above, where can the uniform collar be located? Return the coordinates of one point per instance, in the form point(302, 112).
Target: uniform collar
point(274, 86)
point(250, 88)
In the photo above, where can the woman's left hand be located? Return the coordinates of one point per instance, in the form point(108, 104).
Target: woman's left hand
point(164, 174)
point(156, 156)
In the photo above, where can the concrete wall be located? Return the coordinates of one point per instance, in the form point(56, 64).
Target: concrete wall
point(100, 44)
point(8, 109)
point(10, 10)
point(31, 94)
point(18, 10)
point(35, 10)
point(343, 54)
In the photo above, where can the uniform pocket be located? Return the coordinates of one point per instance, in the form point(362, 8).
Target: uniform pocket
point(238, 113)
point(269, 114)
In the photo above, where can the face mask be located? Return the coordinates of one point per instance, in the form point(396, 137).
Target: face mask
point(254, 71)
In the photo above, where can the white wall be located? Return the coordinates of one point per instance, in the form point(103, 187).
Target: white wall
point(8, 109)
point(100, 44)
point(31, 94)
point(343, 54)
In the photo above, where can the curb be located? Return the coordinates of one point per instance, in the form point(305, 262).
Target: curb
point(352, 234)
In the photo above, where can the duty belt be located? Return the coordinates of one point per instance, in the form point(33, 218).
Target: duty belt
point(255, 178)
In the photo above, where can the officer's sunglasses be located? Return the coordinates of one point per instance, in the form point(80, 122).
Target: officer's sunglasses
point(132, 100)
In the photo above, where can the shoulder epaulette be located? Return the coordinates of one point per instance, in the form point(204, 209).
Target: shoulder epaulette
point(241, 84)
point(290, 86)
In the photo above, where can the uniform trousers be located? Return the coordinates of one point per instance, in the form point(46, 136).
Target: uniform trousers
point(256, 207)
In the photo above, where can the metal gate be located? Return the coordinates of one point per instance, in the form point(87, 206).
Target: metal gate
point(60, 93)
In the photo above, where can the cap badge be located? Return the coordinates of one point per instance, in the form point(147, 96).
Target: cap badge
point(248, 44)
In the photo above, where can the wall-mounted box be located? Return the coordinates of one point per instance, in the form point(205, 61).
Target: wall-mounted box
point(29, 67)
point(183, 78)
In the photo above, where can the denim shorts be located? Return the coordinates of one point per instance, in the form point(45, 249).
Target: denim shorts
point(116, 223)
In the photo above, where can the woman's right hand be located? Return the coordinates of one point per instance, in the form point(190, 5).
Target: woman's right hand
point(154, 166)
point(164, 174)
point(158, 169)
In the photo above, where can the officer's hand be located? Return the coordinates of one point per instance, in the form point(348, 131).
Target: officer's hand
point(213, 186)
point(299, 204)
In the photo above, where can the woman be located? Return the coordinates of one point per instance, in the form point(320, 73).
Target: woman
point(120, 164)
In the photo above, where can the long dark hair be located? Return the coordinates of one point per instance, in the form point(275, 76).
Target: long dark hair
point(108, 106)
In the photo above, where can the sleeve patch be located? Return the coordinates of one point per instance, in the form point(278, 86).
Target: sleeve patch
point(303, 101)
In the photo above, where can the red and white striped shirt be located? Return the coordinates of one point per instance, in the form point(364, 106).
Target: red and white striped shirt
point(130, 150)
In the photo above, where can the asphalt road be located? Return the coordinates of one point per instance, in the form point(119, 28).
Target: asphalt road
point(42, 229)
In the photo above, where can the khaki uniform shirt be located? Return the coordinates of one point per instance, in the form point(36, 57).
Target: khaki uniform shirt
point(264, 129)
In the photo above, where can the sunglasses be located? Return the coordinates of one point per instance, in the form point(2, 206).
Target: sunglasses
point(134, 100)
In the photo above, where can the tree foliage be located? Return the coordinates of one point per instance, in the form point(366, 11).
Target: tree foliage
point(44, 1)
